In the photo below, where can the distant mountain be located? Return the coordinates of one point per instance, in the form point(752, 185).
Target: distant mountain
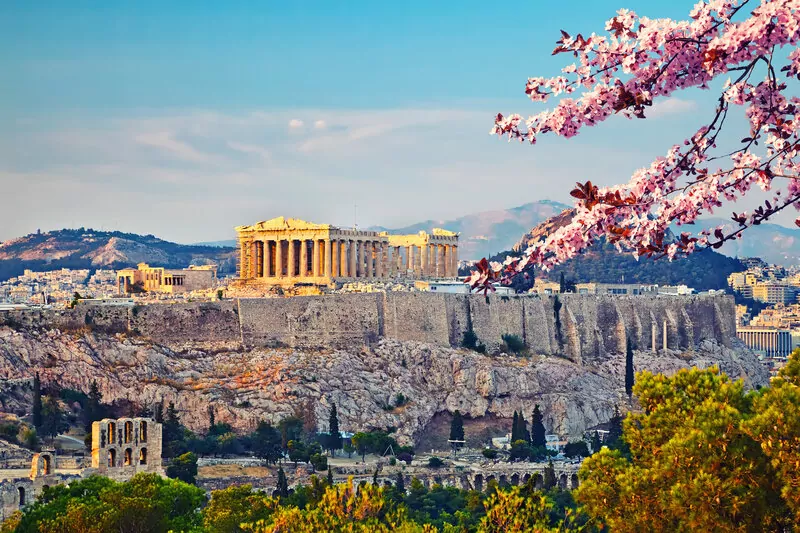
point(771, 242)
point(489, 232)
point(87, 248)
point(230, 243)
point(602, 263)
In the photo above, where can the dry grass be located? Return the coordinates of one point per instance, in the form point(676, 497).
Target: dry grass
point(222, 471)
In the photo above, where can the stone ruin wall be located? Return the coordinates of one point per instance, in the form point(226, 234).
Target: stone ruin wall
point(591, 326)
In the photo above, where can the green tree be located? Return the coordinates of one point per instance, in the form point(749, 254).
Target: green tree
point(37, 402)
point(457, 429)
point(514, 511)
point(282, 489)
point(537, 428)
point(562, 283)
point(53, 421)
point(94, 406)
point(596, 444)
point(549, 480)
point(184, 467)
point(291, 428)
point(614, 437)
point(363, 443)
point(695, 463)
point(628, 368)
point(515, 427)
point(235, 505)
point(776, 425)
point(266, 442)
point(576, 449)
point(146, 503)
point(334, 436)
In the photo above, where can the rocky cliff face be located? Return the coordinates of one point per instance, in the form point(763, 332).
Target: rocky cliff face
point(246, 385)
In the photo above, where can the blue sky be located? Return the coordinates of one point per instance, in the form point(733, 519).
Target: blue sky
point(184, 119)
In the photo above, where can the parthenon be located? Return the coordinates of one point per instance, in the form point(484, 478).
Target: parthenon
point(285, 251)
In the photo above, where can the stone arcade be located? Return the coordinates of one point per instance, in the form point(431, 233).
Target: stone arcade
point(285, 251)
point(120, 449)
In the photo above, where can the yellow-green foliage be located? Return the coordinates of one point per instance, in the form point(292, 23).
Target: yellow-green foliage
point(706, 456)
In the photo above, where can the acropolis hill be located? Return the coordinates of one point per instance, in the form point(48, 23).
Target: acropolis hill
point(261, 358)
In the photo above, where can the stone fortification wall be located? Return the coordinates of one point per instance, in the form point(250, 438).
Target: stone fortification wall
point(584, 326)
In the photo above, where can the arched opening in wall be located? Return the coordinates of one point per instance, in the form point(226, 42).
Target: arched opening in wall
point(526, 478)
point(489, 480)
point(479, 483)
point(128, 432)
point(574, 481)
point(128, 457)
point(112, 458)
point(143, 456)
point(538, 481)
point(21, 491)
point(46, 465)
point(562, 481)
point(143, 431)
point(515, 479)
point(503, 481)
point(112, 432)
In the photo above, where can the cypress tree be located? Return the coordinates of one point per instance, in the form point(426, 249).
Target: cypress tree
point(596, 444)
point(94, 406)
point(537, 428)
point(515, 428)
point(37, 402)
point(562, 283)
point(334, 436)
point(211, 419)
point(549, 476)
point(330, 476)
point(457, 428)
point(615, 428)
point(629, 368)
point(283, 485)
point(523, 428)
point(158, 412)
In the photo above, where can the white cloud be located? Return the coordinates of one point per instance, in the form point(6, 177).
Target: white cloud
point(166, 141)
point(320, 125)
point(252, 149)
point(295, 123)
point(670, 106)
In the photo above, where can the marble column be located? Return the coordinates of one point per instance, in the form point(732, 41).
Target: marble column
point(368, 257)
point(361, 260)
point(343, 258)
point(335, 249)
point(279, 258)
point(379, 259)
point(455, 261)
point(315, 258)
point(398, 260)
point(353, 258)
point(328, 259)
point(290, 271)
point(242, 260)
point(302, 270)
point(423, 260)
point(267, 271)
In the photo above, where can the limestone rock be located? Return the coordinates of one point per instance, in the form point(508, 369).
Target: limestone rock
point(247, 385)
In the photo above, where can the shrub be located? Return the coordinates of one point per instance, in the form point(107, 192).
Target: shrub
point(435, 462)
point(514, 343)
point(489, 453)
point(319, 462)
point(405, 457)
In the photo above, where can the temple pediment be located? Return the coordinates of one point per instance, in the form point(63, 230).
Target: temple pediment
point(282, 224)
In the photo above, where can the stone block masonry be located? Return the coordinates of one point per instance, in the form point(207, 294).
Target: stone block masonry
point(586, 326)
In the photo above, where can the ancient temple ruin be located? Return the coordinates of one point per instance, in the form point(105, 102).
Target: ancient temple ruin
point(287, 251)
